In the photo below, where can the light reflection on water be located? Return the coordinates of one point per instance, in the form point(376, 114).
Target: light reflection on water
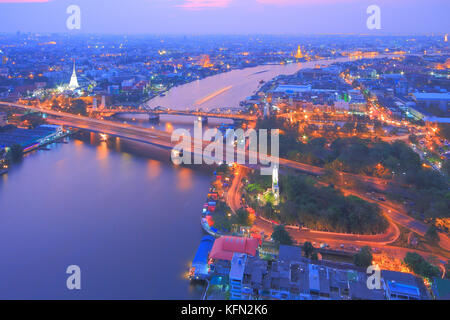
point(129, 222)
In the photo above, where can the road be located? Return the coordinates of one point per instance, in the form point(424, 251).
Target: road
point(335, 240)
point(234, 201)
point(163, 139)
point(399, 216)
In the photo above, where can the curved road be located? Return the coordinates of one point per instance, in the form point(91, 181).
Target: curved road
point(234, 201)
point(337, 239)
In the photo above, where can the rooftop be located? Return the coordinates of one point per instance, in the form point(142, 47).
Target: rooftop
point(226, 246)
point(238, 266)
point(290, 253)
point(432, 96)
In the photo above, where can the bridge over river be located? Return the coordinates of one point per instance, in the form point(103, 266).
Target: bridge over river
point(163, 140)
point(154, 114)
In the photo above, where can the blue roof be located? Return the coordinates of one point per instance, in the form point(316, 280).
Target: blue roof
point(24, 137)
point(203, 250)
point(432, 96)
point(400, 288)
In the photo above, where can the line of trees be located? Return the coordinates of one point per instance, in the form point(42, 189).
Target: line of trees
point(420, 266)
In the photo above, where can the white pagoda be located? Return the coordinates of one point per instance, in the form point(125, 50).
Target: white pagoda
point(74, 80)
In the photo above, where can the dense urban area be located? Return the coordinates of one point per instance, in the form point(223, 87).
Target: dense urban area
point(363, 181)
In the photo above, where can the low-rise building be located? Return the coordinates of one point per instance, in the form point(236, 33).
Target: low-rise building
point(429, 101)
point(441, 289)
point(403, 286)
point(293, 277)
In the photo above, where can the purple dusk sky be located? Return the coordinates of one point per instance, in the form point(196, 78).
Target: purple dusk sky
point(226, 16)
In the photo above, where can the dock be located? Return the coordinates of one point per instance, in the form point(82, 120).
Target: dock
point(200, 267)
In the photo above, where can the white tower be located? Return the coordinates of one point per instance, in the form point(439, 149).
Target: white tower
point(275, 186)
point(73, 80)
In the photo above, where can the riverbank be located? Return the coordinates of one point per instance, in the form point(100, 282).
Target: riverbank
point(90, 204)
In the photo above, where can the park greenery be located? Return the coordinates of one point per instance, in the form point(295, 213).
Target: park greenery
point(428, 190)
point(307, 204)
point(224, 219)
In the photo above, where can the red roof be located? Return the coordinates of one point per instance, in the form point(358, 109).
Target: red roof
point(226, 246)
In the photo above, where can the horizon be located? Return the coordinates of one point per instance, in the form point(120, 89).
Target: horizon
point(430, 34)
point(206, 17)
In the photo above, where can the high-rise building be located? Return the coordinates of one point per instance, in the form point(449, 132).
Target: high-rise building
point(74, 80)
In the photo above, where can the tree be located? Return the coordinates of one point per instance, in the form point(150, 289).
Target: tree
point(446, 168)
point(432, 234)
point(308, 249)
point(268, 211)
point(16, 152)
point(363, 258)
point(420, 266)
point(241, 218)
point(221, 221)
point(281, 236)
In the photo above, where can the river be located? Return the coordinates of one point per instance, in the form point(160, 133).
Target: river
point(127, 217)
point(224, 90)
point(131, 223)
point(227, 90)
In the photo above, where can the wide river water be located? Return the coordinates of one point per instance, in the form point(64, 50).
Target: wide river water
point(224, 90)
point(129, 219)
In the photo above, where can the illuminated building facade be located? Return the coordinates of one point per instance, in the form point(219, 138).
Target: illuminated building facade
point(74, 80)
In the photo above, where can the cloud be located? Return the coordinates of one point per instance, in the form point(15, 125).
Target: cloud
point(204, 4)
point(301, 2)
point(23, 1)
